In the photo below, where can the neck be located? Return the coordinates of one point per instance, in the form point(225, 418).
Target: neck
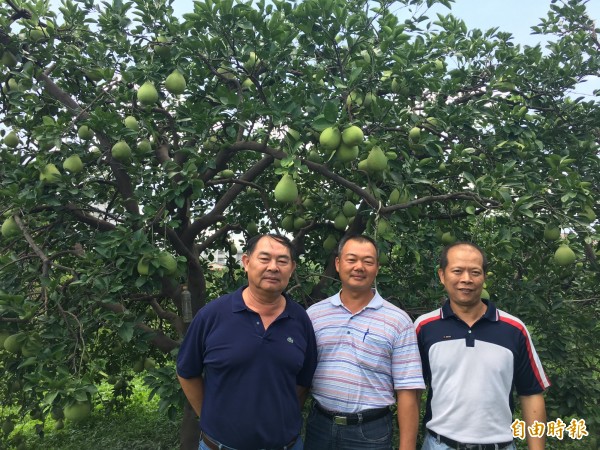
point(470, 314)
point(356, 300)
point(263, 302)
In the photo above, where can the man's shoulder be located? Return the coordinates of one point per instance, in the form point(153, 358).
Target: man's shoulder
point(295, 308)
point(219, 304)
point(320, 306)
point(511, 320)
point(428, 318)
point(391, 310)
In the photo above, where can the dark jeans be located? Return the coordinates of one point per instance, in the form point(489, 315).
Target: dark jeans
point(323, 434)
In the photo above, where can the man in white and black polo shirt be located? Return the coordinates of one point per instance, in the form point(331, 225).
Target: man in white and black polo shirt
point(473, 356)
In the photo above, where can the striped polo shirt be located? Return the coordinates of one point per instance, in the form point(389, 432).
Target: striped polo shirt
point(363, 358)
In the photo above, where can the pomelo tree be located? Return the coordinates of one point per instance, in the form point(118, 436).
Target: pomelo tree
point(461, 134)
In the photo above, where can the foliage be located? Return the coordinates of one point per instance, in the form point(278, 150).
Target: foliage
point(138, 426)
point(484, 142)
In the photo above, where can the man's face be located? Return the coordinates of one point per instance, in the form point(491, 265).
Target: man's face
point(269, 266)
point(357, 265)
point(463, 277)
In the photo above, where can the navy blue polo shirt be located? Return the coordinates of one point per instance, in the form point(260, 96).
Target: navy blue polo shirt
point(250, 375)
point(471, 373)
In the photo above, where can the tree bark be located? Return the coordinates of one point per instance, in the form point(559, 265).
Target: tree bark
point(189, 436)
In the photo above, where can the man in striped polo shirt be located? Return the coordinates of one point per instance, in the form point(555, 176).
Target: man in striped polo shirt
point(368, 359)
point(474, 355)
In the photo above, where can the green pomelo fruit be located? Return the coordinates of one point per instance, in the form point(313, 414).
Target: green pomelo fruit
point(564, 256)
point(551, 233)
point(288, 223)
point(73, 164)
point(349, 209)
point(314, 156)
point(340, 222)
point(36, 34)
point(233, 249)
point(299, 222)
point(352, 136)
point(227, 173)
point(485, 295)
point(50, 174)
point(346, 153)
point(247, 83)
point(13, 343)
point(8, 59)
point(175, 83)
point(377, 161)
point(138, 366)
point(252, 228)
point(383, 258)
point(251, 62)
point(121, 151)
point(13, 85)
point(308, 203)
point(330, 138)
point(85, 133)
point(147, 94)
point(162, 47)
point(370, 99)
point(448, 238)
point(10, 228)
point(143, 266)
point(149, 364)
point(226, 73)
point(59, 425)
point(11, 140)
point(143, 147)
point(362, 165)
point(77, 411)
point(131, 123)
point(383, 226)
point(330, 243)
point(286, 190)
point(414, 134)
point(394, 197)
point(166, 260)
point(3, 336)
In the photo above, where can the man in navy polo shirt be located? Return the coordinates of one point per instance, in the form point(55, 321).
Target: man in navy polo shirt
point(473, 356)
point(248, 358)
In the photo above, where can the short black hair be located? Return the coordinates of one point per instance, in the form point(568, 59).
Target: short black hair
point(359, 238)
point(444, 255)
point(251, 244)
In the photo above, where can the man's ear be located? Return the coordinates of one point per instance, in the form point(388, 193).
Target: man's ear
point(441, 275)
point(245, 261)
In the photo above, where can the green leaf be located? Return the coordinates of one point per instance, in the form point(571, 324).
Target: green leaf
point(126, 331)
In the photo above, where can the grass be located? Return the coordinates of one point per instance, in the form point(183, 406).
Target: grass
point(139, 426)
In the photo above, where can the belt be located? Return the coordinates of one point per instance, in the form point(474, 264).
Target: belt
point(214, 445)
point(355, 418)
point(460, 446)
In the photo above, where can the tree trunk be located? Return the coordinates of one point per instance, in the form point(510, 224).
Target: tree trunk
point(189, 436)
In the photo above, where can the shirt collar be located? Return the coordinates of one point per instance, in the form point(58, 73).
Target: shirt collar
point(237, 303)
point(375, 303)
point(491, 313)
